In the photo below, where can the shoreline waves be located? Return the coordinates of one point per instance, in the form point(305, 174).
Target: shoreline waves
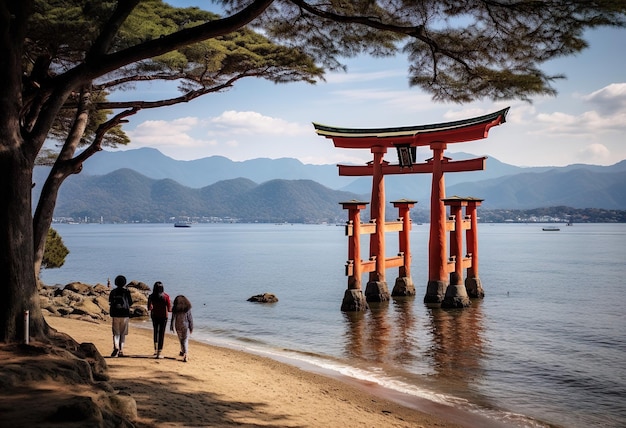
point(448, 408)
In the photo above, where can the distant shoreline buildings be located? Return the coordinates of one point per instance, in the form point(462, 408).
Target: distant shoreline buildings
point(538, 215)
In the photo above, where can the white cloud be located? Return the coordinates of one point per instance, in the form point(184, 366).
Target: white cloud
point(608, 115)
point(227, 134)
point(587, 124)
point(594, 153)
point(252, 123)
point(610, 99)
point(170, 127)
point(161, 133)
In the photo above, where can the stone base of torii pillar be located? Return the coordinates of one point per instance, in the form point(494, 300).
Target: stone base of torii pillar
point(474, 288)
point(377, 291)
point(435, 292)
point(403, 287)
point(456, 294)
point(354, 301)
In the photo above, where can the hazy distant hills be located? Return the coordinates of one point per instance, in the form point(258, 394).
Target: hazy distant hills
point(127, 196)
point(203, 172)
point(573, 187)
point(145, 185)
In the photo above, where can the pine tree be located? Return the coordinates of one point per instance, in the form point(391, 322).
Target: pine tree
point(55, 252)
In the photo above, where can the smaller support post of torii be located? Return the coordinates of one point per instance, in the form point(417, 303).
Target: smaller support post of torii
point(404, 283)
point(456, 294)
point(473, 284)
point(353, 298)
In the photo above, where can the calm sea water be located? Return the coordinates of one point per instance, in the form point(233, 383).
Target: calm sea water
point(547, 345)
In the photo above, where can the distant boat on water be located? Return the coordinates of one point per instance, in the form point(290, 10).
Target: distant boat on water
point(182, 224)
point(551, 229)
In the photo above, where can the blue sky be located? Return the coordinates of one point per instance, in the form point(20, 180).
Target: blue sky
point(585, 123)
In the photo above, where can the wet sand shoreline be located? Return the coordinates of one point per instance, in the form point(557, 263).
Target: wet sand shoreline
point(221, 386)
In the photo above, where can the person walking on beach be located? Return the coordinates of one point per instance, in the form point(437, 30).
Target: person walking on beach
point(120, 302)
point(182, 321)
point(159, 306)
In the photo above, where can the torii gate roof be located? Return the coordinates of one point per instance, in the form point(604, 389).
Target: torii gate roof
point(421, 135)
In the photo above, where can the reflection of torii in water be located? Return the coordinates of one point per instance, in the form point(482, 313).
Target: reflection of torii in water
point(405, 140)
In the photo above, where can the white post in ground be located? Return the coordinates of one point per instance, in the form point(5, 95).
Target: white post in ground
point(26, 322)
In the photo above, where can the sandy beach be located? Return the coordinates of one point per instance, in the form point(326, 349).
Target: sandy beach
point(225, 387)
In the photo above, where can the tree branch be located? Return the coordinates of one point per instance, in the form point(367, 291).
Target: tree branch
point(188, 96)
point(165, 44)
point(56, 90)
point(417, 32)
point(96, 144)
point(141, 78)
point(103, 42)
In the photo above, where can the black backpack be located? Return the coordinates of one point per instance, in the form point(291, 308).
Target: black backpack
point(119, 303)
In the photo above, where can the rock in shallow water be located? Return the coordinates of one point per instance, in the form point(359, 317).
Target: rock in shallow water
point(264, 298)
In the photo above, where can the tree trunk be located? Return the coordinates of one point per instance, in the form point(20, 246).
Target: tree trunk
point(18, 286)
point(63, 168)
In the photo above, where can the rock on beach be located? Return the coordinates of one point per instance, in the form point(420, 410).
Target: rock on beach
point(90, 302)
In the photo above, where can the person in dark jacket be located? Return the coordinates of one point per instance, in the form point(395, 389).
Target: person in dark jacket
point(182, 321)
point(120, 302)
point(159, 306)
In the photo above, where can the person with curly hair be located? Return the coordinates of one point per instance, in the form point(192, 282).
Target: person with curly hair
point(182, 321)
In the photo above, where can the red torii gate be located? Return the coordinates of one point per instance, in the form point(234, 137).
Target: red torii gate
point(406, 140)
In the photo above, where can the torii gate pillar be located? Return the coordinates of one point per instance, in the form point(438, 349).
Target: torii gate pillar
point(437, 252)
point(473, 284)
point(353, 298)
point(377, 290)
point(456, 294)
point(404, 283)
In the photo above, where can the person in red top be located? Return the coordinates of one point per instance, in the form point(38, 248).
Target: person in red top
point(159, 306)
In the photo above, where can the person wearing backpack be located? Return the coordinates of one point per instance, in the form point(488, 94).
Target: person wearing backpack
point(159, 306)
point(120, 302)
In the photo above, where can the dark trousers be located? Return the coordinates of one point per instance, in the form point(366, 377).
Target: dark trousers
point(159, 324)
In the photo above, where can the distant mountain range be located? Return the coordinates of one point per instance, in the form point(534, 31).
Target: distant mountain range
point(203, 172)
point(127, 196)
point(145, 185)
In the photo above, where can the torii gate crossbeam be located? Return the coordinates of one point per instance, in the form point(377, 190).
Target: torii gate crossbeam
point(448, 165)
